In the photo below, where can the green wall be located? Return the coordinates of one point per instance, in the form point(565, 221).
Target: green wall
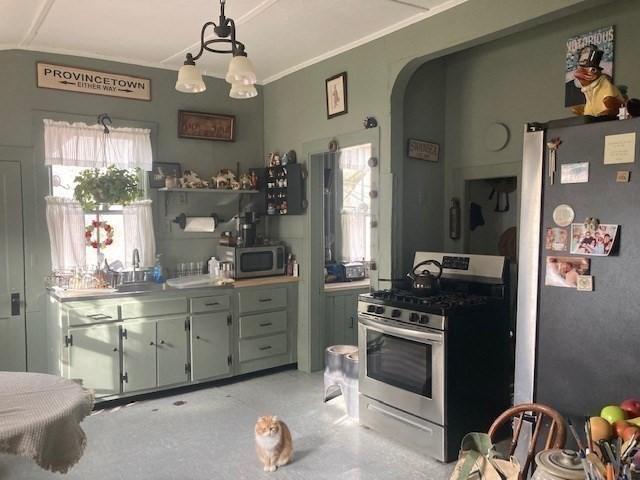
point(378, 75)
point(519, 79)
point(23, 105)
point(423, 185)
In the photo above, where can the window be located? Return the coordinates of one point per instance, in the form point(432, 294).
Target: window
point(62, 186)
point(347, 204)
point(71, 148)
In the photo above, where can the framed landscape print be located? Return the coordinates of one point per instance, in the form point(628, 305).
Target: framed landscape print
point(336, 92)
point(206, 126)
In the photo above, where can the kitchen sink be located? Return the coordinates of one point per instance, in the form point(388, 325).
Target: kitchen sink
point(139, 287)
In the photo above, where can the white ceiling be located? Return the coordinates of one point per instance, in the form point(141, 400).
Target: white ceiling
point(281, 36)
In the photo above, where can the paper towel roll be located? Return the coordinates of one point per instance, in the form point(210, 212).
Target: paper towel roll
point(200, 224)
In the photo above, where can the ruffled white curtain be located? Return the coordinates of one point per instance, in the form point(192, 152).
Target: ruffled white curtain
point(355, 158)
point(65, 221)
point(356, 242)
point(138, 231)
point(354, 237)
point(82, 145)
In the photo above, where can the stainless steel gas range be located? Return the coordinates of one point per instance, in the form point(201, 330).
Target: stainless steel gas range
point(435, 368)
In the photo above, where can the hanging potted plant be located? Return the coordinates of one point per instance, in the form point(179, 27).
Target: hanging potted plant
point(101, 188)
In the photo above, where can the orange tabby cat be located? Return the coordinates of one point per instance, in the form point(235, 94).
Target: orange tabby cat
point(273, 442)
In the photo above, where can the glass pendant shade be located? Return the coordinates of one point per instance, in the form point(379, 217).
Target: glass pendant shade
point(190, 80)
point(239, 90)
point(241, 71)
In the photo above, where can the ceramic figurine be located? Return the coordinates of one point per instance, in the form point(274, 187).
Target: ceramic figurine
point(254, 180)
point(603, 97)
point(224, 179)
point(190, 179)
point(245, 182)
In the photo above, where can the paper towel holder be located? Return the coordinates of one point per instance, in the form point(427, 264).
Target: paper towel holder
point(181, 220)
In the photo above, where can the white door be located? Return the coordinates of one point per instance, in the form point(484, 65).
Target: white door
point(13, 354)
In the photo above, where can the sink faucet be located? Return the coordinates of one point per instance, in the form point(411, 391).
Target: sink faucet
point(136, 259)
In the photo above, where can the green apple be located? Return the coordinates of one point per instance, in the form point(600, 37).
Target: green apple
point(612, 413)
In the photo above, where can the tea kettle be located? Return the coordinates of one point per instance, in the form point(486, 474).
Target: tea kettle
point(424, 283)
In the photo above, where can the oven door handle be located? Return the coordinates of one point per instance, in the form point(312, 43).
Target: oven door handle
point(424, 337)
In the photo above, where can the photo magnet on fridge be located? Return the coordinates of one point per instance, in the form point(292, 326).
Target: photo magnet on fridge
point(620, 148)
point(564, 271)
point(596, 242)
point(557, 239)
point(585, 283)
point(574, 172)
point(623, 176)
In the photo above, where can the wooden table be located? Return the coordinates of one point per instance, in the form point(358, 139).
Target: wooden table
point(40, 416)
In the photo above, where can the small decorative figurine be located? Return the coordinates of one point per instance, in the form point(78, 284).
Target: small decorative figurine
point(274, 159)
point(245, 182)
point(254, 180)
point(603, 97)
point(225, 179)
point(190, 179)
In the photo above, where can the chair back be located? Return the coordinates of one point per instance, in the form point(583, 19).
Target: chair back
point(542, 419)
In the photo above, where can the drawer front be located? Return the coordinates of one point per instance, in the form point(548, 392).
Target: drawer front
point(209, 304)
point(262, 347)
point(256, 300)
point(86, 313)
point(153, 307)
point(263, 324)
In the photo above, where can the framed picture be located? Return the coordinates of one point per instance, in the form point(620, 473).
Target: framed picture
point(206, 126)
point(422, 150)
point(162, 170)
point(336, 91)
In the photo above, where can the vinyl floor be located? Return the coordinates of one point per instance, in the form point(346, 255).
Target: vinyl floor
point(208, 435)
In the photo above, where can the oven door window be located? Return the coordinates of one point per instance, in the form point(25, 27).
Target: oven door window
point(256, 261)
point(403, 363)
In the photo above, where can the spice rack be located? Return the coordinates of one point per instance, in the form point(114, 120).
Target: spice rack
point(284, 190)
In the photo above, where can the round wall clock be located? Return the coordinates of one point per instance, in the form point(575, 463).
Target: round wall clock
point(496, 137)
point(563, 215)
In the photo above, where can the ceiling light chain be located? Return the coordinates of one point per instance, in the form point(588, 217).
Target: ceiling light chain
point(241, 74)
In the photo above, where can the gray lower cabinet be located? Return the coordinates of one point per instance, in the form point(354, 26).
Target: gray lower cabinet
point(127, 345)
point(172, 352)
point(210, 345)
point(154, 353)
point(92, 356)
point(341, 317)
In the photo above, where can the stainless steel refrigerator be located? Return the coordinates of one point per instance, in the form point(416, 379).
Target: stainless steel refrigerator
point(578, 350)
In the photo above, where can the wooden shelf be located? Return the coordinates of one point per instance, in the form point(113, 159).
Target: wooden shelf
point(207, 190)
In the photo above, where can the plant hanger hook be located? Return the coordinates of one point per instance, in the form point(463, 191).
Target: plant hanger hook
point(103, 118)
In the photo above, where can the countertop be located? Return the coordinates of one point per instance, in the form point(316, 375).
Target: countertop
point(340, 286)
point(96, 294)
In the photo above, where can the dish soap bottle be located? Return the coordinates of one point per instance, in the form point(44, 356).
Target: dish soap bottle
point(214, 268)
point(157, 271)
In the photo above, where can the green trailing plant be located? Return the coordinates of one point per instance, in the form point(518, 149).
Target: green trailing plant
point(110, 186)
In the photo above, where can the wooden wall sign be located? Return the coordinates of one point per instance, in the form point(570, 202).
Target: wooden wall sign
point(71, 79)
point(422, 150)
point(206, 126)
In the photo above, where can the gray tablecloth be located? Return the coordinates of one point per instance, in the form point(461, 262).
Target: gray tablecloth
point(40, 416)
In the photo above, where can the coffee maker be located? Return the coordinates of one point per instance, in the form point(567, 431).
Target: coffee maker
point(247, 228)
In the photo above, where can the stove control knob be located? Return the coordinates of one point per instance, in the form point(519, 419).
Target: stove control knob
point(395, 313)
point(379, 310)
point(371, 308)
point(424, 319)
point(413, 317)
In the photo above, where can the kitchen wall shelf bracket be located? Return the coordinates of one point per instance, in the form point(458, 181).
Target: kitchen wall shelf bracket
point(227, 194)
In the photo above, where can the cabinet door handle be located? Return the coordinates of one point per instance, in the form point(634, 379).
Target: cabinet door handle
point(161, 342)
point(151, 343)
point(15, 304)
point(212, 304)
point(266, 324)
point(264, 299)
point(197, 337)
point(351, 319)
point(268, 347)
point(115, 349)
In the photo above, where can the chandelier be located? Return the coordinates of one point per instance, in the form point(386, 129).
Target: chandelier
point(241, 74)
